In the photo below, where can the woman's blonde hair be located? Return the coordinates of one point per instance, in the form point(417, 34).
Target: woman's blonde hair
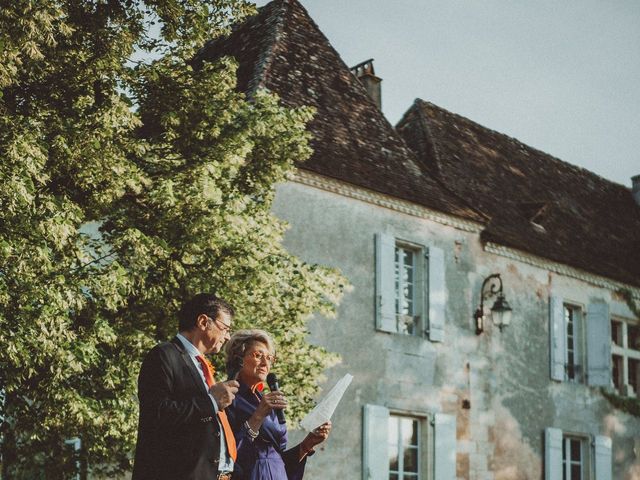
point(240, 341)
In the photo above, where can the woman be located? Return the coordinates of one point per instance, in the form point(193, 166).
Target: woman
point(261, 440)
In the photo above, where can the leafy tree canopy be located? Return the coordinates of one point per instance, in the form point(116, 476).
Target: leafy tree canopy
point(175, 171)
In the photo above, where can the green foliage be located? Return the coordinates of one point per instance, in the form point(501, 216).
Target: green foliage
point(632, 302)
point(630, 405)
point(178, 170)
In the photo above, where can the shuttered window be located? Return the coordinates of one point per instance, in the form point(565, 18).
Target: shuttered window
point(580, 345)
point(574, 457)
point(574, 334)
point(395, 445)
point(407, 278)
point(567, 341)
point(410, 288)
point(404, 448)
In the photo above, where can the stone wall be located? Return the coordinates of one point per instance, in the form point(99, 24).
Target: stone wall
point(497, 384)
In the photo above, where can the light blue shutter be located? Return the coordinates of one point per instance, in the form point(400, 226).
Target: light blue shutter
point(557, 338)
point(553, 454)
point(437, 294)
point(375, 441)
point(385, 283)
point(598, 345)
point(602, 447)
point(445, 446)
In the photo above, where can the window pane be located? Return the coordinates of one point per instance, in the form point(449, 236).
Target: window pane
point(575, 451)
point(574, 343)
point(414, 433)
point(408, 258)
point(407, 281)
point(404, 283)
point(393, 458)
point(393, 476)
point(616, 333)
point(393, 443)
point(409, 437)
point(411, 460)
point(617, 372)
point(393, 430)
point(633, 337)
point(634, 375)
point(576, 472)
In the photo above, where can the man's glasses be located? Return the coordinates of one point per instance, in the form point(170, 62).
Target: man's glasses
point(225, 328)
point(271, 359)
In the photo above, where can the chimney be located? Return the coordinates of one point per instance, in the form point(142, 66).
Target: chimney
point(365, 73)
point(635, 188)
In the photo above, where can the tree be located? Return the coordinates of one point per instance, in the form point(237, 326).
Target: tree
point(178, 170)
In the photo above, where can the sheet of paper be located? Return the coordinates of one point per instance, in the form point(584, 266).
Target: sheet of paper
point(324, 410)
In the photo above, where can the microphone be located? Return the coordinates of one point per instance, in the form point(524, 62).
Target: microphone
point(272, 381)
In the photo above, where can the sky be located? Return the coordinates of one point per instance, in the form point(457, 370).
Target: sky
point(563, 77)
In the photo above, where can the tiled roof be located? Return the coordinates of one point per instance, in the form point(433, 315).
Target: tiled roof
point(283, 50)
point(536, 202)
point(527, 199)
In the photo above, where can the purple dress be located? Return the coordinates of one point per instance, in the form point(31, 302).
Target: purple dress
point(266, 457)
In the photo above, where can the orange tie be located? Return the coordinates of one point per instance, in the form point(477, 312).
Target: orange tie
point(222, 415)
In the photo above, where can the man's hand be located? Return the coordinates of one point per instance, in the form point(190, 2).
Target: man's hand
point(224, 393)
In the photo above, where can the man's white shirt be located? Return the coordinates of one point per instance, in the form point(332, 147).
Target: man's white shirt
point(226, 463)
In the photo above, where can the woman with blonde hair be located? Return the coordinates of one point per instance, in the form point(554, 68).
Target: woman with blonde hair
point(261, 439)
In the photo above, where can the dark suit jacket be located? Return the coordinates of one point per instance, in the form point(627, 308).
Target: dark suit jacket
point(178, 433)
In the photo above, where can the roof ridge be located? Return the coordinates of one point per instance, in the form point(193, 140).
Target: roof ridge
point(356, 81)
point(262, 67)
point(437, 174)
point(359, 84)
point(564, 163)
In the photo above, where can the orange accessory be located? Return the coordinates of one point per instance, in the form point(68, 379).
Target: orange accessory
point(230, 440)
point(258, 387)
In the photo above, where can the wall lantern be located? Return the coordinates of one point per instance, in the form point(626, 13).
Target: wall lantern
point(500, 312)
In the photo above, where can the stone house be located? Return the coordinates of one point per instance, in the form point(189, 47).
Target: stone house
point(446, 229)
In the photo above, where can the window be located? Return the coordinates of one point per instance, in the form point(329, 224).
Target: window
point(404, 448)
point(625, 357)
point(407, 298)
point(401, 446)
point(570, 456)
point(575, 356)
point(410, 288)
point(573, 458)
point(574, 359)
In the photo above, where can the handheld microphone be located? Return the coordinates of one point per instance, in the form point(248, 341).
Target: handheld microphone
point(272, 381)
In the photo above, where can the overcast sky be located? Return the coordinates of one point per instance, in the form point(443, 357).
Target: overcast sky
point(561, 76)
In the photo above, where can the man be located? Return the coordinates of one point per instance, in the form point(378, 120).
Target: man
point(183, 432)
